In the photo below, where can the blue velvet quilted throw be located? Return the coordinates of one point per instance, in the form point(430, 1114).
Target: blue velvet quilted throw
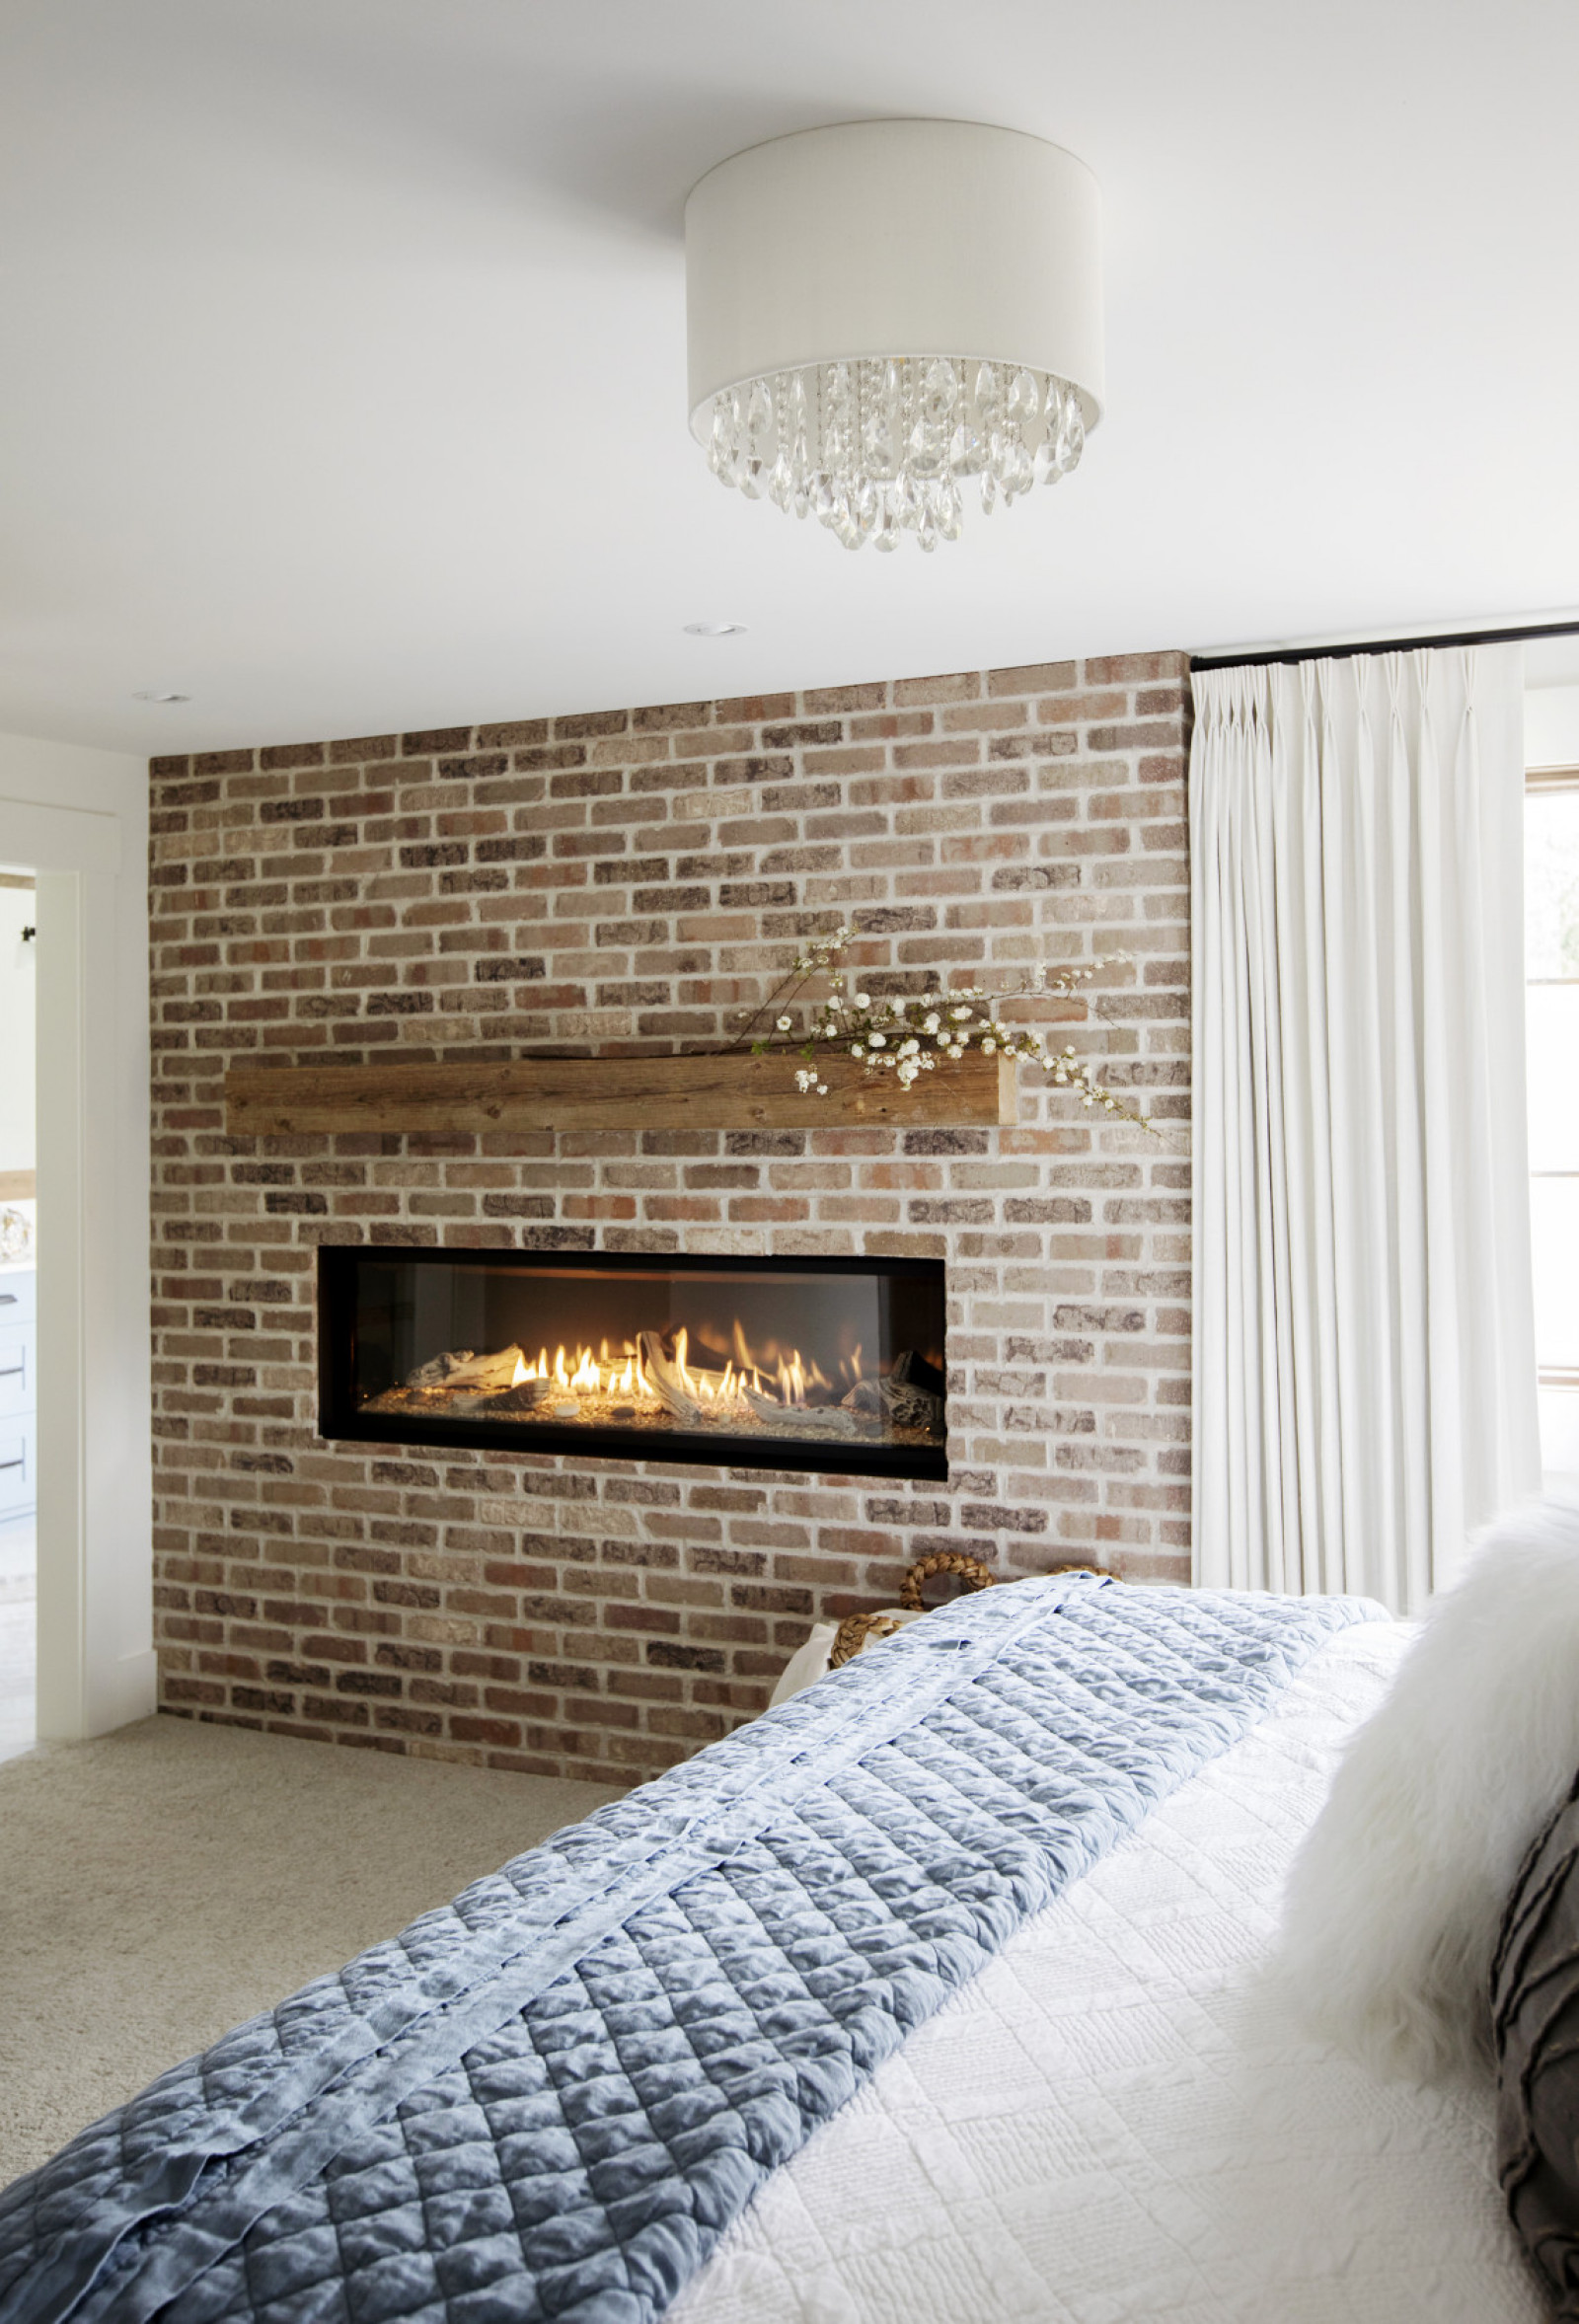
point(549, 2100)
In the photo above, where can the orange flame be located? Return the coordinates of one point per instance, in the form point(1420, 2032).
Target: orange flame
point(578, 1372)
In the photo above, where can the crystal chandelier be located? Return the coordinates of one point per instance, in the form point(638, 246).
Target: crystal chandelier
point(875, 449)
point(819, 270)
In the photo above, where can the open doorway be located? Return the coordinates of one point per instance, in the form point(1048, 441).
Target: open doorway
point(19, 1337)
point(78, 820)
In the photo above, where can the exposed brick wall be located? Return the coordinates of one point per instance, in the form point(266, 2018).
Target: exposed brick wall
point(626, 878)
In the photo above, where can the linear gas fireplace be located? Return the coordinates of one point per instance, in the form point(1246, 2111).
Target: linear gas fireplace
point(816, 1364)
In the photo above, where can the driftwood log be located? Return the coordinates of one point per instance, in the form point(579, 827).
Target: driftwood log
point(458, 1368)
point(664, 1378)
point(437, 1369)
point(525, 1397)
point(910, 1407)
point(910, 1395)
point(811, 1420)
point(489, 1372)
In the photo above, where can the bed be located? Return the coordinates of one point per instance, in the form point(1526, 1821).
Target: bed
point(939, 1993)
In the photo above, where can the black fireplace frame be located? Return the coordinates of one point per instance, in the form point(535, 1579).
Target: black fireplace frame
point(340, 1419)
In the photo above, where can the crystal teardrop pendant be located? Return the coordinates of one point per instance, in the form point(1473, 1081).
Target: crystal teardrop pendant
point(877, 448)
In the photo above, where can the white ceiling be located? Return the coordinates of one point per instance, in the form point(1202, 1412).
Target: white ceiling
point(341, 346)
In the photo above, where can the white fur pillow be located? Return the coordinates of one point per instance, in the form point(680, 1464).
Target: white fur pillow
point(1394, 1900)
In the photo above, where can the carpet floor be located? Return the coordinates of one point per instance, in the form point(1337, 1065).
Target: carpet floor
point(162, 1884)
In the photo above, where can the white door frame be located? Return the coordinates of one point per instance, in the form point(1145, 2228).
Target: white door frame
point(95, 1661)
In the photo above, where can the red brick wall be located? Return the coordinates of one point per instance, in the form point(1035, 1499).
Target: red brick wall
point(623, 878)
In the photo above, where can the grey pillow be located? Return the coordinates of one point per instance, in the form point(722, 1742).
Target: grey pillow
point(1534, 2011)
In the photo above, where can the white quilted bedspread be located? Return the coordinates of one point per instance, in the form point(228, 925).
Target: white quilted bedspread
point(1118, 2120)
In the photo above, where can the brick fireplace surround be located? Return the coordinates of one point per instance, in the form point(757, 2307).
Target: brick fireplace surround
point(626, 879)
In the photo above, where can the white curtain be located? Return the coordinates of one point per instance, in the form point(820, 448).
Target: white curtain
point(1364, 1360)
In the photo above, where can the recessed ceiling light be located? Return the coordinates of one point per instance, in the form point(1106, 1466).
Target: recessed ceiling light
point(714, 628)
point(159, 693)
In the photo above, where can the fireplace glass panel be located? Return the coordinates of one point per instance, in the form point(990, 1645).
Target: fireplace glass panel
point(827, 1363)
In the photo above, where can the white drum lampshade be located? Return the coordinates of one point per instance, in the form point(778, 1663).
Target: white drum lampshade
point(882, 312)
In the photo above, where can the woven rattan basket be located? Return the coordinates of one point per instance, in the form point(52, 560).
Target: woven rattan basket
point(860, 1629)
point(831, 1646)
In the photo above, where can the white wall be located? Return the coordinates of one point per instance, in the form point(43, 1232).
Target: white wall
point(1552, 726)
point(80, 819)
point(18, 909)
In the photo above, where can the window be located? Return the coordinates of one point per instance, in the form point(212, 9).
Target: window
point(1551, 946)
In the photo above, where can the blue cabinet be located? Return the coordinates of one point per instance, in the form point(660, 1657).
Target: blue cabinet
point(18, 1392)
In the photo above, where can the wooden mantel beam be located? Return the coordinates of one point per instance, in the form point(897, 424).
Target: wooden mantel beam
point(739, 1091)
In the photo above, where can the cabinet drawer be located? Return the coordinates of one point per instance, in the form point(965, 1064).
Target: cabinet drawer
point(19, 1481)
point(19, 1366)
point(19, 1295)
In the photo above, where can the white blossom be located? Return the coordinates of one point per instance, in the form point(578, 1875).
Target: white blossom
point(950, 1019)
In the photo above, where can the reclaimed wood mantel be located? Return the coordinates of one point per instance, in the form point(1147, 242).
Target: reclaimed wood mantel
point(738, 1092)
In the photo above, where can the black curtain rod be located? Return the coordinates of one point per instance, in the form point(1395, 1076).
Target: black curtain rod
point(1343, 653)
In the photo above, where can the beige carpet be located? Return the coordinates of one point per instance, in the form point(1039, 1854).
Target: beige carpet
point(162, 1884)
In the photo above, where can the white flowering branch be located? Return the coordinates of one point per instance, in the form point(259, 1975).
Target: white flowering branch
point(908, 1037)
